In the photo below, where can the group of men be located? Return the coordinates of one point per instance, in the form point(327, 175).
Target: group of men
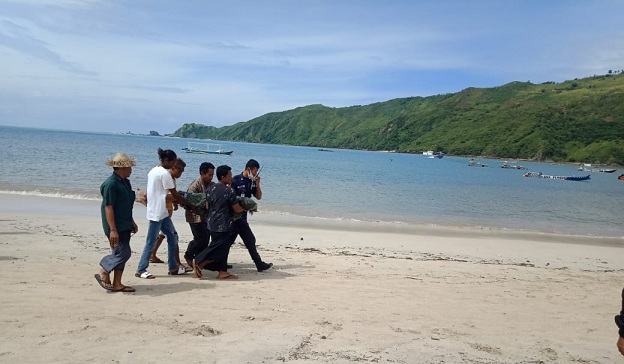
point(213, 227)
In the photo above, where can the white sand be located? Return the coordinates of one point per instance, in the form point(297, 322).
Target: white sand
point(340, 292)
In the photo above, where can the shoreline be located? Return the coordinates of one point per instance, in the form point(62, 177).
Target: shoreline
point(35, 203)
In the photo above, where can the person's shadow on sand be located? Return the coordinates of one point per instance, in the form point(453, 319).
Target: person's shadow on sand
point(246, 273)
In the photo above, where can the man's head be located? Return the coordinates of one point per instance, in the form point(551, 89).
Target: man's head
point(167, 157)
point(122, 164)
point(206, 172)
point(224, 174)
point(252, 167)
point(177, 168)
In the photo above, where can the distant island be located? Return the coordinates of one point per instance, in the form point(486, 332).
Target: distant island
point(580, 120)
point(151, 133)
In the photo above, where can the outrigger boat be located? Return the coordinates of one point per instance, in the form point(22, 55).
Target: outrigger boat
point(205, 148)
point(566, 178)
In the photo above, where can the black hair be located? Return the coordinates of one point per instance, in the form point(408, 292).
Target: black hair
point(204, 167)
point(179, 163)
point(167, 154)
point(252, 163)
point(222, 171)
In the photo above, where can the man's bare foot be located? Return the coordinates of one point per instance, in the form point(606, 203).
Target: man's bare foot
point(123, 288)
point(155, 259)
point(197, 270)
point(105, 276)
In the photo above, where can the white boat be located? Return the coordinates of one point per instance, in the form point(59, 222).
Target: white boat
point(206, 148)
point(432, 154)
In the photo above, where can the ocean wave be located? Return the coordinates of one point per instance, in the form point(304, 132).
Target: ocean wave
point(55, 194)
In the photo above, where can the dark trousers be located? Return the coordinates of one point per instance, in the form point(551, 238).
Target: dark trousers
point(217, 251)
point(201, 238)
point(243, 229)
point(119, 255)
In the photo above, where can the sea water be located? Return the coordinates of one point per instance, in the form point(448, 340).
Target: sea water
point(338, 184)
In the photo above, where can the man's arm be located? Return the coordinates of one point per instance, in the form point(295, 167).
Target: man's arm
point(237, 208)
point(113, 237)
point(258, 191)
point(181, 200)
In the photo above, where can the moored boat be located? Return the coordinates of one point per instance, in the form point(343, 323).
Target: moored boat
point(506, 165)
point(586, 167)
point(566, 178)
point(473, 163)
point(205, 148)
point(432, 154)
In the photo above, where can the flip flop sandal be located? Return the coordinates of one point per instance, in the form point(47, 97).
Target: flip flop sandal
point(144, 275)
point(126, 289)
point(106, 285)
point(156, 260)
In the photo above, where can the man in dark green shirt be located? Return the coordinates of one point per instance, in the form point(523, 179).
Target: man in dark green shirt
point(117, 222)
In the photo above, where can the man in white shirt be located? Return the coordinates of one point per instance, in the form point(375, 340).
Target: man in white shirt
point(159, 183)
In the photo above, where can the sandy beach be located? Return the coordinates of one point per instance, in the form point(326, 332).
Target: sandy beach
point(340, 292)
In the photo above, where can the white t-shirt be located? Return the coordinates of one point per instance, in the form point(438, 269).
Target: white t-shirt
point(159, 182)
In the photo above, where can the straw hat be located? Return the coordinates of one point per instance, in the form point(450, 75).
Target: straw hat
point(121, 160)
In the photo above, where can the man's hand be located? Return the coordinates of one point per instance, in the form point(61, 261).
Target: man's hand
point(620, 345)
point(113, 238)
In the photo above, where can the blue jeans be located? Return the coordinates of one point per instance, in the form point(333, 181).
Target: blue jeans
point(166, 226)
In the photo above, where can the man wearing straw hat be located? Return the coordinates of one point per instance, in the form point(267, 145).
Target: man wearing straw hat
point(117, 221)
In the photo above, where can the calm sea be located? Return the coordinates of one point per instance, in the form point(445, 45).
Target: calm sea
point(341, 184)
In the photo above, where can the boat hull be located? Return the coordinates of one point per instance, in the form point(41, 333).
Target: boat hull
point(207, 151)
point(565, 178)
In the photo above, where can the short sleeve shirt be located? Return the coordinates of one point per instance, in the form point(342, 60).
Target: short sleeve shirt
point(159, 182)
point(117, 192)
point(196, 187)
point(220, 199)
point(242, 186)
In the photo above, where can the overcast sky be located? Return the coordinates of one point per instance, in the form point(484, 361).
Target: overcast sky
point(141, 65)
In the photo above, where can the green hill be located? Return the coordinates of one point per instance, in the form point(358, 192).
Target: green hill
point(573, 121)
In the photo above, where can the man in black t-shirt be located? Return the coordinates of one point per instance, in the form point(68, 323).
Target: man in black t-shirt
point(247, 184)
point(221, 200)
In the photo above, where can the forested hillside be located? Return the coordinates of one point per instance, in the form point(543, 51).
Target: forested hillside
point(573, 121)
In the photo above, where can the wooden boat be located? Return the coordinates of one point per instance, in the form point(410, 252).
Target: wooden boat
point(205, 148)
point(566, 178)
point(621, 177)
